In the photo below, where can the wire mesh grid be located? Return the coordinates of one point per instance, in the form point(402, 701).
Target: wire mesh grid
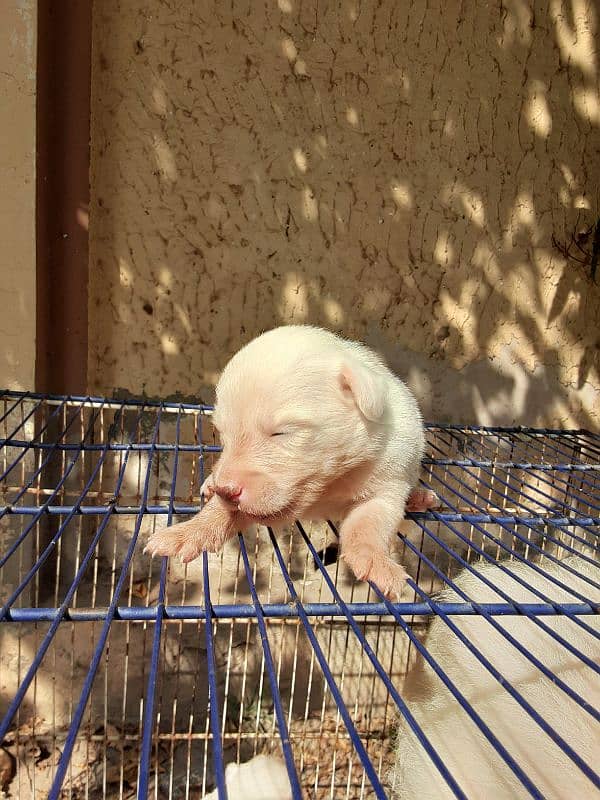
point(123, 677)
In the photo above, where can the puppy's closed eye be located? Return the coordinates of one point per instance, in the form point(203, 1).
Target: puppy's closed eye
point(292, 429)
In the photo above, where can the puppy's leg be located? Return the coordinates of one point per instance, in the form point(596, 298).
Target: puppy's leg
point(366, 537)
point(208, 530)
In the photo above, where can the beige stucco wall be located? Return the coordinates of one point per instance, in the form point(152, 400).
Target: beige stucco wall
point(17, 192)
point(394, 171)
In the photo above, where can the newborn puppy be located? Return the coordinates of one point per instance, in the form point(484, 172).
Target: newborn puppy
point(312, 427)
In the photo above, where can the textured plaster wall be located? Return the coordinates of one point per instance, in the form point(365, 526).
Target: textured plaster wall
point(394, 171)
point(17, 192)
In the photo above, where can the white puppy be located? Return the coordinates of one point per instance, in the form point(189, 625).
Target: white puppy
point(313, 427)
point(470, 757)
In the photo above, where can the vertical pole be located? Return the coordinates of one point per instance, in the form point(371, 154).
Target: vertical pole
point(63, 162)
point(64, 47)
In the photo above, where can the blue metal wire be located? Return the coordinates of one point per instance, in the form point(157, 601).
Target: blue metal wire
point(213, 694)
point(58, 618)
point(541, 469)
point(148, 718)
point(554, 466)
point(356, 740)
point(547, 477)
point(175, 406)
point(550, 519)
point(279, 712)
point(21, 396)
point(552, 443)
point(50, 547)
point(404, 709)
point(24, 419)
point(517, 429)
point(496, 477)
point(457, 694)
point(285, 611)
point(517, 448)
point(519, 607)
point(116, 446)
point(514, 693)
point(180, 508)
point(536, 568)
point(519, 536)
point(26, 446)
point(28, 484)
point(130, 402)
point(63, 763)
point(585, 768)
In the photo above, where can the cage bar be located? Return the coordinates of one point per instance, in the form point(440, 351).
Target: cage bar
point(124, 677)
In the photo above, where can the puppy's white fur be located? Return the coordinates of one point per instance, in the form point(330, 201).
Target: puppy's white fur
point(472, 760)
point(314, 427)
point(264, 777)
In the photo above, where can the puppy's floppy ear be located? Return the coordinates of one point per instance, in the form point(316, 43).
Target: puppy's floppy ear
point(368, 389)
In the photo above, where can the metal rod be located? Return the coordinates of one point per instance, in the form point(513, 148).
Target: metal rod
point(213, 694)
point(289, 611)
point(149, 699)
point(63, 763)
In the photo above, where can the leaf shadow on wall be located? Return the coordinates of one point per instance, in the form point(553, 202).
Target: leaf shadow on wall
point(395, 174)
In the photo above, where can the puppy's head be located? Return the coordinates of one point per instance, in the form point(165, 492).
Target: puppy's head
point(295, 412)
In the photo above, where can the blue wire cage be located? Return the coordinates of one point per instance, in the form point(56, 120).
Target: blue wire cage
point(121, 677)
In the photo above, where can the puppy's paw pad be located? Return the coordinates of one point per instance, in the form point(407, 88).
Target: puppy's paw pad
point(389, 577)
point(360, 562)
point(422, 500)
point(371, 565)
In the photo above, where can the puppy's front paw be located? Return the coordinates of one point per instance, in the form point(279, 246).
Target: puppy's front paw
point(370, 564)
point(208, 530)
point(174, 542)
point(422, 500)
point(166, 542)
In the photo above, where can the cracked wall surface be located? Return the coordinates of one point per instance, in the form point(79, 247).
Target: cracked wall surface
point(394, 171)
point(17, 198)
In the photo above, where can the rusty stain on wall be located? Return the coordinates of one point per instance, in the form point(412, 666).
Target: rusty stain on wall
point(392, 171)
point(17, 198)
